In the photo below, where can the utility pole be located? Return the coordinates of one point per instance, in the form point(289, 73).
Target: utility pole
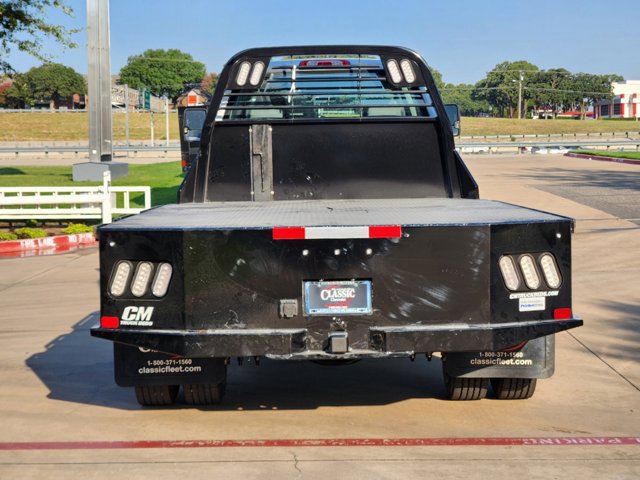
point(126, 114)
point(99, 81)
point(166, 119)
point(520, 79)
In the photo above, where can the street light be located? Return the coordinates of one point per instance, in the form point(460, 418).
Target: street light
point(521, 77)
point(99, 83)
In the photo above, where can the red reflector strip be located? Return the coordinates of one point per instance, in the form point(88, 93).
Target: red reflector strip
point(562, 314)
point(109, 322)
point(288, 233)
point(317, 233)
point(388, 231)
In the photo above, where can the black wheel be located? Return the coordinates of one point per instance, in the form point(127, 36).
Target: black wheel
point(513, 388)
point(204, 393)
point(461, 388)
point(156, 395)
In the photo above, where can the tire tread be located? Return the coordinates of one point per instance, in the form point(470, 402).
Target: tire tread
point(513, 388)
point(156, 395)
point(464, 389)
point(203, 393)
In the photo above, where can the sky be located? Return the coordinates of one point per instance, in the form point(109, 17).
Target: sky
point(463, 39)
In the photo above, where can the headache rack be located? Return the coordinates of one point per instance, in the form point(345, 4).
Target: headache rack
point(325, 87)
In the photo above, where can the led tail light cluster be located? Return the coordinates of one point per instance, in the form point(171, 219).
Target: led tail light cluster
point(251, 73)
point(401, 71)
point(527, 271)
point(550, 270)
point(407, 71)
point(140, 278)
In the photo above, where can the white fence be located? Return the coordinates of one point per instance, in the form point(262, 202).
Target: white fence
point(66, 203)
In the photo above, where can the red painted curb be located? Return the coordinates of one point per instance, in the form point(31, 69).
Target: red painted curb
point(327, 442)
point(59, 242)
point(603, 158)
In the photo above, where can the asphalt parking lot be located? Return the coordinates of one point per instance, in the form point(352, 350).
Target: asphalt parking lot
point(62, 415)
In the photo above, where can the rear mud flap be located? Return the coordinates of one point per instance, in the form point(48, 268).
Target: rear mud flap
point(535, 359)
point(137, 366)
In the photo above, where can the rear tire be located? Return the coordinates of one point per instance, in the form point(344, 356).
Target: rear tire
point(513, 388)
point(204, 393)
point(461, 388)
point(156, 395)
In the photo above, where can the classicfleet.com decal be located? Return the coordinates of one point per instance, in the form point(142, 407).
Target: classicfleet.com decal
point(169, 365)
point(551, 293)
point(501, 358)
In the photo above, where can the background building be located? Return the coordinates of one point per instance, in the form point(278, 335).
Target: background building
point(625, 103)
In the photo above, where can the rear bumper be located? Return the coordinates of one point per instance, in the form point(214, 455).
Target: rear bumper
point(292, 343)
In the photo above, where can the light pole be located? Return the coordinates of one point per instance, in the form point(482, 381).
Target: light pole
point(99, 82)
point(521, 78)
point(166, 119)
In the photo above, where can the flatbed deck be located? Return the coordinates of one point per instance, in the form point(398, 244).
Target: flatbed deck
point(320, 213)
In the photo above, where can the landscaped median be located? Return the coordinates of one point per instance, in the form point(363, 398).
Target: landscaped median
point(46, 245)
point(606, 156)
point(163, 178)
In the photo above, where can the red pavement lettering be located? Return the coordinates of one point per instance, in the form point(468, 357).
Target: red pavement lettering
point(325, 442)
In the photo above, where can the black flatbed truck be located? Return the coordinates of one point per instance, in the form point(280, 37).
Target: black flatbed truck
point(328, 217)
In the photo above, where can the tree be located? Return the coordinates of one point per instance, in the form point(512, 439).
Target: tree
point(208, 84)
point(5, 84)
point(437, 78)
point(22, 26)
point(589, 88)
point(163, 72)
point(461, 96)
point(555, 89)
point(548, 89)
point(500, 86)
point(46, 82)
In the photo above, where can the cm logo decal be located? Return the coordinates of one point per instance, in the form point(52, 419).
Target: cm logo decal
point(137, 316)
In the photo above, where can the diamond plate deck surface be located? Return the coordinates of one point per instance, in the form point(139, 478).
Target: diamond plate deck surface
point(318, 213)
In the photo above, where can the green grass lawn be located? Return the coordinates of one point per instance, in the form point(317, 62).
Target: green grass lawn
point(65, 126)
point(163, 178)
point(605, 153)
point(510, 126)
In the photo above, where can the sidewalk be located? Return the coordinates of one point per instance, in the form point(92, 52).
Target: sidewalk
point(602, 158)
point(61, 160)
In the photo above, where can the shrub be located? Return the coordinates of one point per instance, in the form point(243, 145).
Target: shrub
point(75, 228)
point(31, 223)
point(28, 232)
point(5, 236)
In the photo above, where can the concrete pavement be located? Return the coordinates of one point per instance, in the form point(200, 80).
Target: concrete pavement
point(58, 381)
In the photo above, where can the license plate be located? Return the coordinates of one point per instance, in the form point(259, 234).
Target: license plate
point(337, 297)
